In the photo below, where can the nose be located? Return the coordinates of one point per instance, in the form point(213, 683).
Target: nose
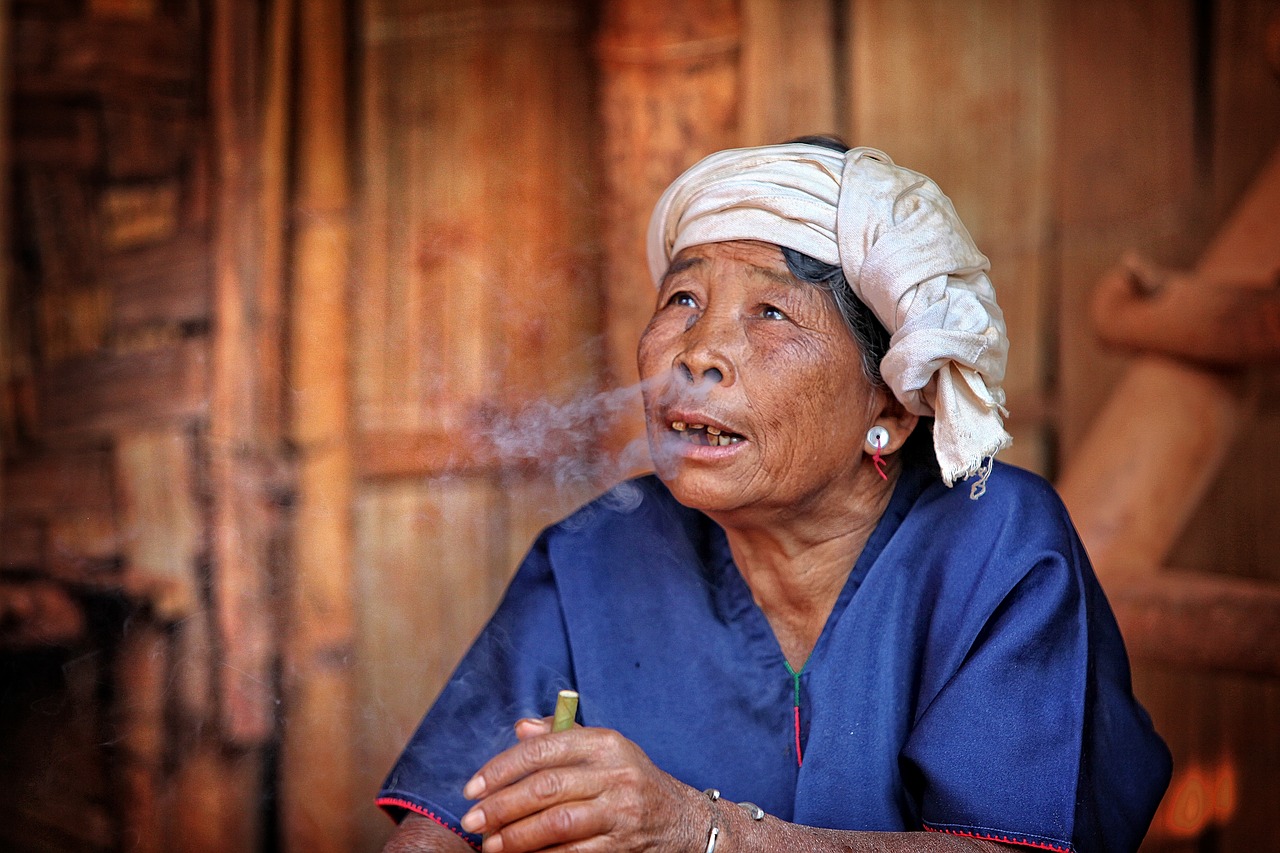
point(706, 356)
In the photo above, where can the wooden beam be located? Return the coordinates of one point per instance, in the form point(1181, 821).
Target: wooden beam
point(1140, 308)
point(39, 614)
point(317, 785)
point(104, 393)
point(1151, 455)
point(241, 514)
point(1186, 619)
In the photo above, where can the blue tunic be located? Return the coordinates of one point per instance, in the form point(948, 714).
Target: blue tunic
point(970, 679)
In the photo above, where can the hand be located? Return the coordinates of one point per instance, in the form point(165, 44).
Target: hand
point(586, 790)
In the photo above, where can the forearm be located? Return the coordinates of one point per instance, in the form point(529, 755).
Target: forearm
point(417, 834)
point(738, 833)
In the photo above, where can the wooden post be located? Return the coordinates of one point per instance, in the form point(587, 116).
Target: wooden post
point(316, 793)
point(7, 414)
point(1134, 481)
point(239, 540)
point(670, 96)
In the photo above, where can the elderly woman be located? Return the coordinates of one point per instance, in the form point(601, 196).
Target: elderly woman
point(798, 635)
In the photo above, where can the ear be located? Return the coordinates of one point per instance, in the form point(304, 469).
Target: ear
point(894, 417)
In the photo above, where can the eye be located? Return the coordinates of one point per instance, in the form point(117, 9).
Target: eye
point(683, 298)
point(772, 312)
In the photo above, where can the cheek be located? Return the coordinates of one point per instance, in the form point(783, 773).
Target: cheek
point(813, 394)
point(654, 344)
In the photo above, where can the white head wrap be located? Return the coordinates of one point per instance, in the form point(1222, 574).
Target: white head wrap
point(904, 252)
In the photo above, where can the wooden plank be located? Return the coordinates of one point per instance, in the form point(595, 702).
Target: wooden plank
point(50, 484)
point(964, 92)
point(161, 523)
point(165, 285)
point(1192, 620)
point(112, 57)
point(137, 719)
point(39, 614)
point(317, 794)
point(135, 215)
point(146, 137)
point(1127, 171)
point(72, 304)
point(213, 800)
point(54, 133)
point(242, 515)
point(1246, 97)
point(789, 83)
point(106, 393)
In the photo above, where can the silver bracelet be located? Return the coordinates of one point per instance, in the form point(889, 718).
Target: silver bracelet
point(713, 794)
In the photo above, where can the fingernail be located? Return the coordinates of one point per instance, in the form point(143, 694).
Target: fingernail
point(492, 844)
point(474, 789)
point(473, 821)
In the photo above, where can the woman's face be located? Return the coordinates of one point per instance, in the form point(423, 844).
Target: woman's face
point(754, 393)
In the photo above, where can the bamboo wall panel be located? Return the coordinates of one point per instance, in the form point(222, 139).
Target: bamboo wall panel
point(964, 93)
point(782, 100)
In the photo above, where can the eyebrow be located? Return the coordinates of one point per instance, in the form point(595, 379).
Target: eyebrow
point(680, 266)
point(687, 263)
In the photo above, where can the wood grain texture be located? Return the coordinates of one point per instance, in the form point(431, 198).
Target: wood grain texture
point(784, 99)
point(240, 523)
point(1127, 175)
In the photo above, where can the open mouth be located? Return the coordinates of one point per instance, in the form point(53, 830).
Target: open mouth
point(705, 435)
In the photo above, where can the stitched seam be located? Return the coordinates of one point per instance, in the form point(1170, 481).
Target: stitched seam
point(425, 812)
point(1008, 839)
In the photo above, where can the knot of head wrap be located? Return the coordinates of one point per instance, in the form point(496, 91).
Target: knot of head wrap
point(905, 253)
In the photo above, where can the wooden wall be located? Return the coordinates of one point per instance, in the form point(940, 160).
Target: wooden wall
point(318, 311)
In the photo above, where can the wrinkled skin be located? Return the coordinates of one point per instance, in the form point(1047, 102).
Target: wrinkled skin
point(738, 343)
point(737, 340)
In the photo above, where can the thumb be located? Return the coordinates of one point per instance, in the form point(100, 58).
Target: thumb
point(532, 727)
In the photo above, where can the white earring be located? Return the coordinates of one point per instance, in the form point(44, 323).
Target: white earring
point(878, 437)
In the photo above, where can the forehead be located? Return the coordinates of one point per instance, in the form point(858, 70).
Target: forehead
point(752, 257)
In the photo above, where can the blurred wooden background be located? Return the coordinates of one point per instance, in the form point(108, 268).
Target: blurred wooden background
point(314, 312)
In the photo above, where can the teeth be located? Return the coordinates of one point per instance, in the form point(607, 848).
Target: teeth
point(678, 426)
point(696, 426)
point(712, 431)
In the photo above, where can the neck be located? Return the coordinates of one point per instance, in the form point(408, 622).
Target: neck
point(796, 561)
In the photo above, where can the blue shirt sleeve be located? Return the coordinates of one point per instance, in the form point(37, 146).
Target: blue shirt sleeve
point(1036, 737)
point(514, 669)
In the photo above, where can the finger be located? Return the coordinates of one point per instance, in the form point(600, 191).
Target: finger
point(536, 792)
point(527, 756)
point(562, 824)
point(531, 727)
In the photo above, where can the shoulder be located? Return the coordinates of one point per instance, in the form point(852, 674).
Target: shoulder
point(1016, 503)
point(978, 551)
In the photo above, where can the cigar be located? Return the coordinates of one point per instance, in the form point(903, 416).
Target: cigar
point(566, 710)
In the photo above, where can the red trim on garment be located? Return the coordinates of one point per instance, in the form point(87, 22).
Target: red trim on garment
point(1042, 845)
point(417, 809)
point(799, 757)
